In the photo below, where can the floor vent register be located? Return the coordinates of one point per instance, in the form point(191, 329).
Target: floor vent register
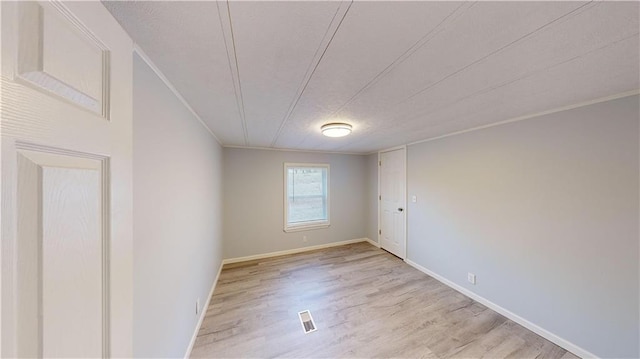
point(307, 321)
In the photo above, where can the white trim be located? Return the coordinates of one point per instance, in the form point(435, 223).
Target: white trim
point(379, 202)
point(405, 206)
point(295, 150)
point(373, 243)
point(306, 226)
point(2, 283)
point(537, 114)
point(293, 251)
point(392, 148)
point(583, 353)
point(520, 118)
point(203, 312)
point(145, 58)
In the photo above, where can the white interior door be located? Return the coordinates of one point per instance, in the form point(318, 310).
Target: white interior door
point(66, 249)
point(393, 201)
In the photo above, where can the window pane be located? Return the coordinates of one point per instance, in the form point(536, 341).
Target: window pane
point(306, 194)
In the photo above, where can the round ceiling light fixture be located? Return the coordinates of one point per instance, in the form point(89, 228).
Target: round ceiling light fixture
point(336, 129)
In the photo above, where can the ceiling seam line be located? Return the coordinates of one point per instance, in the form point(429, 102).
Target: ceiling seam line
point(404, 56)
point(634, 92)
point(506, 83)
point(527, 75)
point(573, 12)
point(424, 40)
point(243, 115)
point(302, 83)
point(304, 87)
point(582, 7)
point(226, 47)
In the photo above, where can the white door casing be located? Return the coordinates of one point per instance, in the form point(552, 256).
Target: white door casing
point(66, 249)
point(392, 176)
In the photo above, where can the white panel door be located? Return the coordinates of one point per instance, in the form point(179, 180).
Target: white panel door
point(66, 249)
point(392, 201)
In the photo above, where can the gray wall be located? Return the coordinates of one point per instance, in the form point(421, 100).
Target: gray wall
point(545, 213)
point(176, 214)
point(371, 210)
point(253, 201)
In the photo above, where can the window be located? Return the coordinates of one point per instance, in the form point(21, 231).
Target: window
point(306, 196)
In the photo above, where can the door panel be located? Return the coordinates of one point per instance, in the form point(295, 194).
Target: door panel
point(392, 198)
point(59, 55)
point(60, 226)
point(72, 267)
point(66, 244)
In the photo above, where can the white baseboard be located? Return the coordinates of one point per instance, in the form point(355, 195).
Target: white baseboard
point(516, 318)
point(373, 243)
point(292, 251)
point(203, 312)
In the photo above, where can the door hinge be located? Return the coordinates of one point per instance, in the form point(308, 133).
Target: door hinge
point(379, 231)
point(379, 163)
point(379, 198)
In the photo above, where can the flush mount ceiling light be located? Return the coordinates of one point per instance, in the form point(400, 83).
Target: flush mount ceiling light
point(336, 129)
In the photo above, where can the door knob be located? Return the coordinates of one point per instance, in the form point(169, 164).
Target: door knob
point(400, 209)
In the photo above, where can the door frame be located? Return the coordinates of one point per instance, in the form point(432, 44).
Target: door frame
point(406, 217)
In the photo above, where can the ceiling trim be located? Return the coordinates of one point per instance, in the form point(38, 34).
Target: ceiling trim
point(296, 150)
point(226, 25)
point(394, 148)
point(530, 116)
point(332, 30)
point(163, 78)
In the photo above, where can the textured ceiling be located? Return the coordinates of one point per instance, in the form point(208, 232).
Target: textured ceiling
point(269, 74)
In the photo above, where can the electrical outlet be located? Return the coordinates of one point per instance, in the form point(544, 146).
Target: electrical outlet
point(471, 278)
point(197, 306)
point(304, 238)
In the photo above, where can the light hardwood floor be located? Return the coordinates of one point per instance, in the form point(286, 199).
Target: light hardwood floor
point(365, 303)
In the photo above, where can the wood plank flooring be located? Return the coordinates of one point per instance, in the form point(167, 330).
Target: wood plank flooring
point(365, 303)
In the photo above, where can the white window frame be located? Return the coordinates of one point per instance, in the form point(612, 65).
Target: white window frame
point(301, 226)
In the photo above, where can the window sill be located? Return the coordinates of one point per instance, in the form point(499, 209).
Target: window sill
point(306, 227)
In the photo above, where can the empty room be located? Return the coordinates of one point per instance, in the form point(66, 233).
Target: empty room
point(320, 179)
